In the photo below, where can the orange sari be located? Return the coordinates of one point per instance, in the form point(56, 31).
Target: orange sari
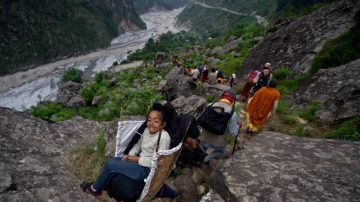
point(259, 107)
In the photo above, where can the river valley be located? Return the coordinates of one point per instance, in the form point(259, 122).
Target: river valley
point(24, 89)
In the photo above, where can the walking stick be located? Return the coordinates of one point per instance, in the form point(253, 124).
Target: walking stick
point(234, 148)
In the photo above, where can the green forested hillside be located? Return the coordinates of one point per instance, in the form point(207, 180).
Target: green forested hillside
point(205, 20)
point(297, 8)
point(261, 7)
point(33, 32)
point(142, 6)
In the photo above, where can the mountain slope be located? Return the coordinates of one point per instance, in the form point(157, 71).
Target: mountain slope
point(34, 32)
point(295, 43)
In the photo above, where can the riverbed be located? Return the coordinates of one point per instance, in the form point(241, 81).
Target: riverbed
point(24, 89)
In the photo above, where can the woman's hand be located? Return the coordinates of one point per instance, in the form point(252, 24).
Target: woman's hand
point(130, 158)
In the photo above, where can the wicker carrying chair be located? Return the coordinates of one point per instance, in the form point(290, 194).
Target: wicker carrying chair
point(163, 162)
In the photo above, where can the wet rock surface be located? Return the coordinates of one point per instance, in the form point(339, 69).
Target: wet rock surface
point(33, 156)
point(277, 167)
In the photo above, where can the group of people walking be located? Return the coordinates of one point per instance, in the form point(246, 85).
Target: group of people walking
point(212, 76)
point(159, 131)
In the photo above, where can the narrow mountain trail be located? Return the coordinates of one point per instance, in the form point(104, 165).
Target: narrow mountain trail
point(260, 20)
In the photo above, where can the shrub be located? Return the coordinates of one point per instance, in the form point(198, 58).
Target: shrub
point(281, 73)
point(45, 110)
point(308, 112)
point(348, 130)
point(298, 131)
point(285, 113)
point(115, 63)
point(73, 75)
point(288, 85)
point(88, 94)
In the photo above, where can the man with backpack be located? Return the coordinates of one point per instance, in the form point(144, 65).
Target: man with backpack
point(263, 79)
point(217, 120)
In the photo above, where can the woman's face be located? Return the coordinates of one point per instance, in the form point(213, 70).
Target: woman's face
point(266, 72)
point(154, 122)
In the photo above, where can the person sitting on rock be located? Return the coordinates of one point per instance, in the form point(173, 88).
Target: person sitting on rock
point(136, 165)
point(261, 107)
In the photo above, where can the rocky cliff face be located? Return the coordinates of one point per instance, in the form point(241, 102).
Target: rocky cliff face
point(337, 89)
point(33, 157)
point(34, 32)
point(124, 15)
point(295, 43)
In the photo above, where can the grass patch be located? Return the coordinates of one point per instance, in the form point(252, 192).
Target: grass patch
point(309, 112)
point(348, 130)
point(285, 113)
point(288, 85)
point(86, 161)
point(339, 51)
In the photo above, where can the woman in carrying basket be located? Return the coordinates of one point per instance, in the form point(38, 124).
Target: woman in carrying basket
point(136, 165)
point(217, 142)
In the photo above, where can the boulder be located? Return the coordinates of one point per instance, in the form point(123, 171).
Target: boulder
point(34, 157)
point(278, 167)
point(337, 89)
point(184, 105)
point(96, 100)
point(187, 189)
point(294, 44)
point(160, 57)
point(211, 62)
point(69, 95)
point(176, 84)
point(76, 101)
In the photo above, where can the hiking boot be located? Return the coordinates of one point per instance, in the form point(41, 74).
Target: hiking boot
point(86, 187)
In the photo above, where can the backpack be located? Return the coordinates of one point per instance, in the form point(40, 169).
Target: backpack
point(213, 121)
point(251, 76)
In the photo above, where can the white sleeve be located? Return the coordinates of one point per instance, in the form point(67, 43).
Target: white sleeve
point(135, 150)
point(164, 141)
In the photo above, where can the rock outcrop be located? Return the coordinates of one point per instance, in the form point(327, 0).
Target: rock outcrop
point(69, 95)
point(277, 167)
point(176, 84)
point(337, 89)
point(34, 157)
point(231, 45)
point(296, 44)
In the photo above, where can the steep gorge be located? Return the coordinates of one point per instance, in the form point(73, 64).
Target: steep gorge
point(35, 32)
